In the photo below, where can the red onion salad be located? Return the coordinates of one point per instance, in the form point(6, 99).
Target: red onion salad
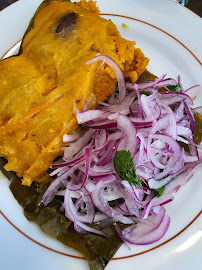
point(148, 126)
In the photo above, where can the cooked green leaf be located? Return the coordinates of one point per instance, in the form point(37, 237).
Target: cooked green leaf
point(97, 249)
point(198, 128)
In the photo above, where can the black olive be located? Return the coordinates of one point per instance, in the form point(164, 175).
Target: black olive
point(66, 21)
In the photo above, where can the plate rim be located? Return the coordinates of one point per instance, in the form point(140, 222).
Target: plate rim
point(162, 31)
point(158, 245)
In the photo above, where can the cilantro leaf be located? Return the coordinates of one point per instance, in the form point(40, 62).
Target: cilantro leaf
point(159, 191)
point(173, 88)
point(125, 167)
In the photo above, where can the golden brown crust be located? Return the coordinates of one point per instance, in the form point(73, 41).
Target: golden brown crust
point(40, 87)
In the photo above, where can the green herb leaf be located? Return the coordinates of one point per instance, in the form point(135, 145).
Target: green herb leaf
point(173, 88)
point(159, 191)
point(125, 167)
point(146, 93)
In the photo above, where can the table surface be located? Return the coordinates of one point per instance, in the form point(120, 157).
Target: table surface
point(194, 5)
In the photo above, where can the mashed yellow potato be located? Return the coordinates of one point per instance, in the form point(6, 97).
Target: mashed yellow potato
point(39, 88)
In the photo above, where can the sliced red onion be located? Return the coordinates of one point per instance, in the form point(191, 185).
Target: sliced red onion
point(102, 204)
point(85, 106)
point(179, 83)
point(119, 73)
point(193, 91)
point(134, 109)
point(115, 136)
point(111, 99)
point(172, 126)
point(99, 217)
point(146, 190)
point(144, 172)
point(74, 187)
point(108, 155)
point(126, 126)
point(148, 121)
point(184, 131)
point(167, 82)
point(144, 234)
point(146, 85)
point(118, 230)
point(182, 178)
point(180, 139)
point(155, 159)
point(190, 158)
point(106, 223)
point(73, 137)
point(193, 148)
point(197, 110)
point(179, 114)
point(86, 116)
point(125, 104)
point(172, 161)
point(179, 163)
point(58, 182)
point(106, 124)
point(86, 178)
point(114, 116)
point(70, 163)
point(99, 174)
point(78, 145)
point(160, 125)
point(105, 168)
point(104, 104)
point(177, 97)
point(71, 213)
point(132, 206)
point(123, 208)
point(146, 105)
point(107, 178)
point(139, 101)
point(103, 147)
point(154, 184)
point(191, 117)
point(88, 217)
point(101, 138)
point(156, 202)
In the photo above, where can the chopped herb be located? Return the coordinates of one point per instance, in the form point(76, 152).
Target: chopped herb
point(159, 191)
point(146, 93)
point(173, 88)
point(125, 167)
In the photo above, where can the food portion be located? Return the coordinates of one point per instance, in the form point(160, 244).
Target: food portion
point(98, 250)
point(43, 87)
point(112, 185)
point(110, 142)
point(128, 160)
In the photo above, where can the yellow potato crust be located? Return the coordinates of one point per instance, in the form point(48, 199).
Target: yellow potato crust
point(40, 88)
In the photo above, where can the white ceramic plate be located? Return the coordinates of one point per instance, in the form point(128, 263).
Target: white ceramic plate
point(171, 36)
